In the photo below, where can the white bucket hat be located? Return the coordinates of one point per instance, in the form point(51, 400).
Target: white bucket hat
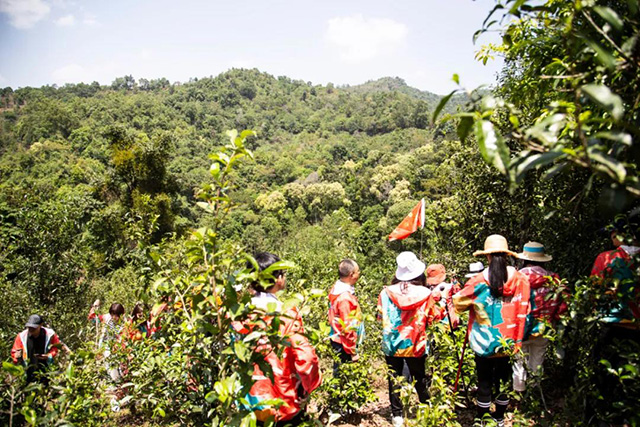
point(409, 266)
point(474, 269)
point(534, 251)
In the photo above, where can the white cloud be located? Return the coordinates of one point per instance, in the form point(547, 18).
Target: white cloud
point(90, 20)
point(72, 73)
point(359, 39)
point(66, 21)
point(24, 14)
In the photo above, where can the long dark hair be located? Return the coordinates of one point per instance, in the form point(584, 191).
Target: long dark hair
point(498, 273)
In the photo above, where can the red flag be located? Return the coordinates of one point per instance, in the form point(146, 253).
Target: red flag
point(410, 224)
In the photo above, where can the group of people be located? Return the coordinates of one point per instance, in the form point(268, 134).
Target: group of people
point(509, 310)
point(509, 313)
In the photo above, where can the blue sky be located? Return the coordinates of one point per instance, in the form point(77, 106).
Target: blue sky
point(344, 42)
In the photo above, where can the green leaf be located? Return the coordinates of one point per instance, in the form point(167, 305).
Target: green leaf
point(206, 206)
point(464, 127)
point(603, 55)
point(211, 397)
point(29, 416)
point(280, 265)
point(621, 137)
point(608, 100)
point(633, 6)
point(232, 134)
point(241, 351)
point(610, 16)
point(456, 78)
point(443, 102)
point(214, 170)
point(247, 133)
point(536, 160)
point(492, 146)
point(71, 372)
point(614, 168)
point(15, 370)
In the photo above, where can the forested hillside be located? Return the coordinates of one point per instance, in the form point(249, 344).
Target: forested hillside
point(106, 193)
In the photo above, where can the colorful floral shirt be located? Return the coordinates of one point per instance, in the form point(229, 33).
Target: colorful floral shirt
point(619, 265)
point(494, 320)
point(544, 308)
point(406, 311)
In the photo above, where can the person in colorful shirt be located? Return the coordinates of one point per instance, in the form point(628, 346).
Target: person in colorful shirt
point(498, 301)
point(546, 309)
point(618, 271)
point(406, 308)
point(345, 316)
point(111, 325)
point(35, 347)
point(620, 265)
point(296, 372)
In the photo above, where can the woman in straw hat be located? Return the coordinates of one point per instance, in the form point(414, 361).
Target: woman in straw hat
point(498, 300)
point(545, 310)
point(406, 307)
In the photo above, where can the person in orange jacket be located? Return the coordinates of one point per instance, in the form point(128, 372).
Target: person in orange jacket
point(35, 347)
point(296, 372)
point(345, 316)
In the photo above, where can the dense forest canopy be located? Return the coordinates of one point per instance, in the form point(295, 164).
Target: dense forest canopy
point(102, 187)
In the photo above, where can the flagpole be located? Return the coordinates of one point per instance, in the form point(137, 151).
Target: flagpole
point(422, 219)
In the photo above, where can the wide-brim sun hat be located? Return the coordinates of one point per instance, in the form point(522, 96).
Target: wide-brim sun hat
point(475, 268)
point(409, 266)
point(495, 244)
point(534, 251)
point(436, 273)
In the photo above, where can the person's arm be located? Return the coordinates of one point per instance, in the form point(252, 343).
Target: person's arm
point(306, 362)
point(17, 350)
point(348, 310)
point(54, 346)
point(92, 312)
point(463, 300)
point(524, 308)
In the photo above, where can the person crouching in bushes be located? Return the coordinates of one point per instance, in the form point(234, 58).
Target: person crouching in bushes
point(296, 371)
point(498, 300)
point(406, 308)
point(545, 310)
point(345, 316)
point(35, 347)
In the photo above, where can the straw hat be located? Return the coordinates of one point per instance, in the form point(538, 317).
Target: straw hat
point(495, 244)
point(436, 274)
point(534, 251)
point(409, 266)
point(474, 269)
